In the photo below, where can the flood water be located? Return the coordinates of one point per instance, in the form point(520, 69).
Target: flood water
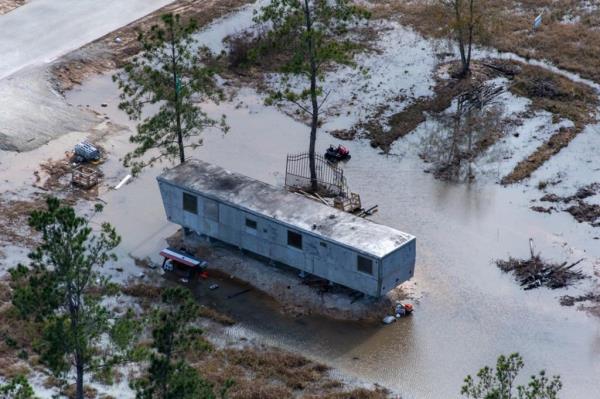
point(467, 312)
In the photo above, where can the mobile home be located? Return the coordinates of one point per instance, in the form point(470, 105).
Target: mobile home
point(287, 227)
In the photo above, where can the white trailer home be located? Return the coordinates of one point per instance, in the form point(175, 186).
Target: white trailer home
point(287, 227)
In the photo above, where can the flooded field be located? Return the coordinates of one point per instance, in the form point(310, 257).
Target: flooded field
point(467, 312)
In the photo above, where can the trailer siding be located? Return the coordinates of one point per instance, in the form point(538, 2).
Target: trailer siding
point(261, 234)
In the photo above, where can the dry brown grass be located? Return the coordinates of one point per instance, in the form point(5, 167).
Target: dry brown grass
point(88, 392)
point(294, 371)
point(215, 315)
point(142, 291)
point(358, 393)
point(268, 373)
point(571, 46)
point(526, 167)
point(14, 220)
point(556, 94)
point(404, 122)
point(17, 338)
point(258, 389)
point(563, 98)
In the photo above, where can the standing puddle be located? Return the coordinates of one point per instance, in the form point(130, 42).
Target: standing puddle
point(467, 312)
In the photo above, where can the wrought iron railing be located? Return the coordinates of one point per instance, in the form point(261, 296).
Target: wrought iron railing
point(330, 178)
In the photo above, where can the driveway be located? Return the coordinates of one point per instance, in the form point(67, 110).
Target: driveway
point(43, 30)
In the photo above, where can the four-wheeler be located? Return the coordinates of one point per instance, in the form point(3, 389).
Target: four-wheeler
point(336, 154)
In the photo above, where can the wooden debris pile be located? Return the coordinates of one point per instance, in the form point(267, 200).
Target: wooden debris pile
point(535, 272)
point(581, 210)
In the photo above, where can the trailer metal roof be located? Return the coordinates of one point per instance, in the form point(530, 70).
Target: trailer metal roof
point(292, 209)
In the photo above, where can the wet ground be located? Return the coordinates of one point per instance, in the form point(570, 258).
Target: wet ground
point(467, 311)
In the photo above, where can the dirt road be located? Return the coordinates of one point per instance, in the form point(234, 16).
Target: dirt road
point(43, 30)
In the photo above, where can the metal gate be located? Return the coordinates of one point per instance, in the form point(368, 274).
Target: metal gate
point(330, 177)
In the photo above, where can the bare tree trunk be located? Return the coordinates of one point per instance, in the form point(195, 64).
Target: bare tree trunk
point(176, 87)
point(164, 385)
point(456, 131)
point(471, 28)
point(313, 99)
point(469, 145)
point(460, 37)
point(74, 310)
point(79, 369)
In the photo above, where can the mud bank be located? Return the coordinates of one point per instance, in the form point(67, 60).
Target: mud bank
point(32, 113)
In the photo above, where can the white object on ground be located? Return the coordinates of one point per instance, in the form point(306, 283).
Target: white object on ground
point(389, 319)
point(125, 180)
point(537, 22)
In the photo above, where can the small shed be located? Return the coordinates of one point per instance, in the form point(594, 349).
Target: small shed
point(287, 227)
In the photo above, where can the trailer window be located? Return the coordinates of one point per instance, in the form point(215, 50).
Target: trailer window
point(294, 239)
point(190, 203)
point(211, 210)
point(364, 265)
point(251, 223)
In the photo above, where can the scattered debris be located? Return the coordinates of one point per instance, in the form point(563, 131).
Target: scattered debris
point(123, 181)
point(568, 300)
point(400, 310)
point(239, 293)
point(86, 152)
point(551, 198)
point(85, 177)
point(541, 209)
point(343, 134)
point(582, 211)
point(213, 287)
point(403, 310)
point(536, 272)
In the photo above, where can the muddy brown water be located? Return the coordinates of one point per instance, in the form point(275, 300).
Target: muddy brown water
point(467, 312)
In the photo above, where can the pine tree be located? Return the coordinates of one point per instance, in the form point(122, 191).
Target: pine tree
point(315, 32)
point(168, 74)
point(61, 286)
point(169, 376)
